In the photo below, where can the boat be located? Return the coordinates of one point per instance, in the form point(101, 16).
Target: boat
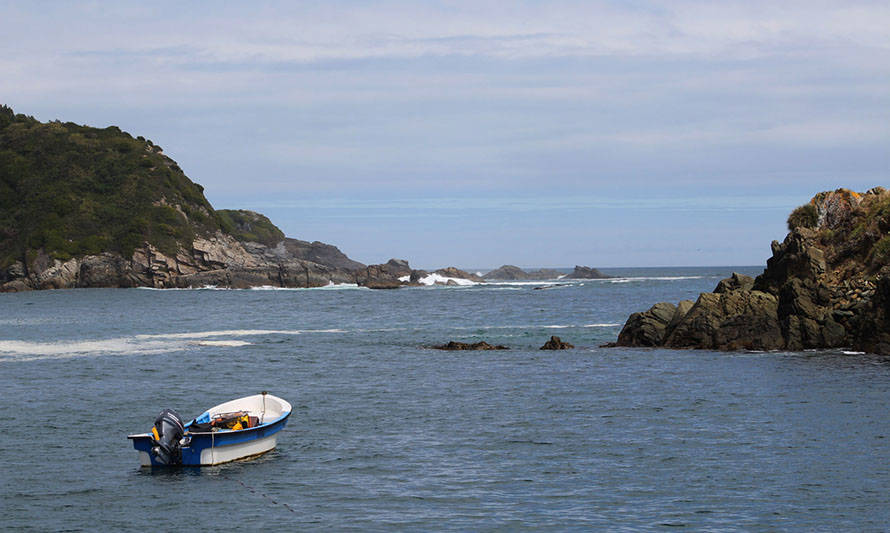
point(237, 429)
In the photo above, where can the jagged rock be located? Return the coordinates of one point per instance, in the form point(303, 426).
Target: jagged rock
point(514, 273)
point(683, 308)
point(584, 272)
point(453, 272)
point(481, 345)
point(386, 276)
point(735, 282)
point(648, 328)
point(320, 253)
point(105, 270)
point(729, 321)
point(555, 343)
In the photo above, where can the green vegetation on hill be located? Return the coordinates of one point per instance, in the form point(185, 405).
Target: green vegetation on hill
point(247, 225)
point(74, 190)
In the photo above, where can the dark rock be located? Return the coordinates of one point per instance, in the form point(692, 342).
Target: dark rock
point(584, 272)
point(735, 282)
point(729, 321)
point(453, 272)
point(481, 345)
point(555, 343)
point(382, 284)
point(385, 276)
point(648, 328)
point(320, 253)
point(683, 308)
point(514, 273)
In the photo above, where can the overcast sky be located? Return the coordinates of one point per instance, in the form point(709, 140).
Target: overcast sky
point(481, 133)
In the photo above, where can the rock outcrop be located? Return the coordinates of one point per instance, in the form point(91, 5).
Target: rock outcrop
point(584, 272)
point(555, 343)
point(514, 273)
point(219, 260)
point(393, 274)
point(826, 286)
point(481, 345)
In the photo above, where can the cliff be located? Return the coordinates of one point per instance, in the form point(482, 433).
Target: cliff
point(826, 286)
point(91, 207)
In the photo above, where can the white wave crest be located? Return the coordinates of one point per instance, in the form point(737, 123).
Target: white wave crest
point(434, 279)
point(603, 325)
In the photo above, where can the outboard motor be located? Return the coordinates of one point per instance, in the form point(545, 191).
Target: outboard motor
point(167, 432)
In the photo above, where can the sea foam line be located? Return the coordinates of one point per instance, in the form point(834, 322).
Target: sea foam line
point(18, 350)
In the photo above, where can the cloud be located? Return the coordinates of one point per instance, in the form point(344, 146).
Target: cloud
point(431, 99)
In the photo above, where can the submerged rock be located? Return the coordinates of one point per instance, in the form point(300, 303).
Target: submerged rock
point(481, 345)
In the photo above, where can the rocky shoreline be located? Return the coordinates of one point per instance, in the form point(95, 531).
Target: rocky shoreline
point(826, 286)
point(223, 261)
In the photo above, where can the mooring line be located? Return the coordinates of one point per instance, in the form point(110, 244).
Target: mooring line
point(263, 494)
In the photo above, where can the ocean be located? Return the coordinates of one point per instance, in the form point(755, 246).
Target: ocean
point(388, 434)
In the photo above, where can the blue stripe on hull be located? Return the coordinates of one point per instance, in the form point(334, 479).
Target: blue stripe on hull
point(191, 454)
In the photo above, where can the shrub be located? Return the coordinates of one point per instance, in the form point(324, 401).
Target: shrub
point(880, 252)
point(804, 216)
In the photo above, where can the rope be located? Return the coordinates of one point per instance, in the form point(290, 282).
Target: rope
point(261, 493)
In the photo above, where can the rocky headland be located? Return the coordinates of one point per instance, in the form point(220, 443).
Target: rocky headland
point(826, 286)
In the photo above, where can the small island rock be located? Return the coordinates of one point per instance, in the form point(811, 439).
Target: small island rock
point(555, 343)
point(481, 345)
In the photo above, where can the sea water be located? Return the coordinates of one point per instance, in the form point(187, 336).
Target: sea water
point(387, 433)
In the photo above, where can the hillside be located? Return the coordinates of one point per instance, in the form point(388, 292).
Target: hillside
point(73, 190)
point(826, 286)
point(95, 207)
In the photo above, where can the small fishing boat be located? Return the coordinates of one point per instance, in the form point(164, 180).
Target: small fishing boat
point(234, 430)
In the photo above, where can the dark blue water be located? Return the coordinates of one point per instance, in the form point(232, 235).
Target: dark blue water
point(387, 434)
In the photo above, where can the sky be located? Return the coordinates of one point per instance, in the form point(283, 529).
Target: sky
point(474, 134)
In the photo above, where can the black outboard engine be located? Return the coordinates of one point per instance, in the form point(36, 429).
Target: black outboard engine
point(167, 432)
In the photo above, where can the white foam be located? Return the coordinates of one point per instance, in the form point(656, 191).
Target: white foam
point(222, 343)
point(603, 325)
point(16, 350)
point(26, 351)
point(220, 333)
point(539, 283)
point(853, 353)
point(648, 278)
point(405, 279)
point(235, 333)
point(434, 279)
point(329, 286)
